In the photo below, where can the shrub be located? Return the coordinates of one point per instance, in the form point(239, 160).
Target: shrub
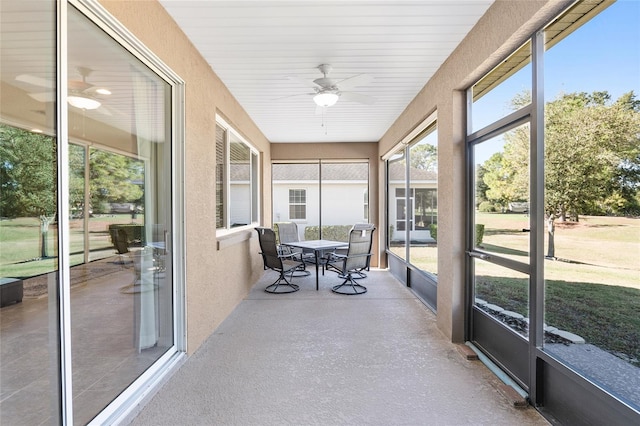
point(487, 207)
point(329, 232)
point(433, 230)
point(479, 234)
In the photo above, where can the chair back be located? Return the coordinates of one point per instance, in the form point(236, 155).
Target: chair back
point(361, 226)
point(269, 249)
point(360, 241)
point(287, 232)
point(121, 242)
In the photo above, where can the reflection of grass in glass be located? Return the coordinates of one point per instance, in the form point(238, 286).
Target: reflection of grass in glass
point(605, 316)
point(20, 239)
point(22, 235)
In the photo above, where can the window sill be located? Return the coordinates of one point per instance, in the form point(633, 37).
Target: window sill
point(228, 240)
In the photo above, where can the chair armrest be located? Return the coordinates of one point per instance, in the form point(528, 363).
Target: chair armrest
point(334, 257)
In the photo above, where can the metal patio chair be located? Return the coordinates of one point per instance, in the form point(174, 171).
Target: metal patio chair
point(274, 259)
point(288, 233)
point(352, 263)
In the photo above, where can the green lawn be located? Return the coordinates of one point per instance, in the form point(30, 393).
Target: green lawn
point(592, 289)
point(20, 239)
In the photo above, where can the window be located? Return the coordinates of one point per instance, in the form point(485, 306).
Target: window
point(555, 163)
point(236, 179)
point(366, 205)
point(220, 176)
point(412, 185)
point(591, 276)
point(297, 204)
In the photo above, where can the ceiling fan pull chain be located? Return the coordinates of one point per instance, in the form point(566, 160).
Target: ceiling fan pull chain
point(323, 125)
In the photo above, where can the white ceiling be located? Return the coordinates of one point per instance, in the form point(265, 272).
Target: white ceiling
point(255, 46)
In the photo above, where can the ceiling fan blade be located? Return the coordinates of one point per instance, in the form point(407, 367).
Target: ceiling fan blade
point(78, 85)
point(293, 96)
point(356, 80)
point(302, 81)
point(35, 81)
point(357, 97)
point(43, 96)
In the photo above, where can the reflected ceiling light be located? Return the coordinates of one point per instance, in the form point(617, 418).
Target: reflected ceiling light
point(83, 102)
point(326, 99)
point(103, 91)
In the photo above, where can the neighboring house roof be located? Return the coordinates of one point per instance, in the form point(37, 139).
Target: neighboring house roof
point(333, 171)
point(397, 172)
point(338, 172)
point(240, 172)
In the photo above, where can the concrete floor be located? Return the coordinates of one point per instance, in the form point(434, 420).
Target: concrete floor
point(318, 358)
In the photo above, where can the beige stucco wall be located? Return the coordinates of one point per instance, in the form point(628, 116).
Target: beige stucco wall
point(505, 26)
point(216, 280)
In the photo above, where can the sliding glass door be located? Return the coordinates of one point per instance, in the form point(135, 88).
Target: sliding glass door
point(30, 357)
point(121, 304)
point(87, 253)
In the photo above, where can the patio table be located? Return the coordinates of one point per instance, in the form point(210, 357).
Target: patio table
point(317, 246)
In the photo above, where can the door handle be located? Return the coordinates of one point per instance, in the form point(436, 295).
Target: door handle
point(479, 255)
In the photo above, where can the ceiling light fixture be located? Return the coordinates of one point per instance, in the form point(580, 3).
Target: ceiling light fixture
point(83, 102)
point(326, 99)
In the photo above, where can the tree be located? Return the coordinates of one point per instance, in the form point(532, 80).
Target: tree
point(113, 179)
point(76, 180)
point(592, 158)
point(592, 148)
point(502, 175)
point(424, 157)
point(481, 185)
point(28, 173)
point(28, 177)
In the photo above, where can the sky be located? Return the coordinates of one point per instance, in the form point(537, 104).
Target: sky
point(602, 55)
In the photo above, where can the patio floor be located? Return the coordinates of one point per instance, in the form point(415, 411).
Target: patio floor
point(318, 358)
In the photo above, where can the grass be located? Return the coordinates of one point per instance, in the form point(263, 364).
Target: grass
point(20, 244)
point(592, 289)
point(605, 316)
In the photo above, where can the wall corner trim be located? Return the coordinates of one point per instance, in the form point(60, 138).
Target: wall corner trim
point(227, 241)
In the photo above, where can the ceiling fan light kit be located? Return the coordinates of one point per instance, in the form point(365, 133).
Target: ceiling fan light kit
point(325, 99)
point(83, 102)
point(81, 94)
point(327, 91)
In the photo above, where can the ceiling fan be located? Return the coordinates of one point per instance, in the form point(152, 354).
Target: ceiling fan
point(328, 91)
point(81, 94)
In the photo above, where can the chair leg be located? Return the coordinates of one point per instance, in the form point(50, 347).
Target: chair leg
point(287, 286)
point(300, 271)
point(360, 275)
point(349, 287)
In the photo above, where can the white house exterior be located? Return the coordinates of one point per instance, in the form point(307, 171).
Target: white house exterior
point(298, 196)
point(424, 198)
